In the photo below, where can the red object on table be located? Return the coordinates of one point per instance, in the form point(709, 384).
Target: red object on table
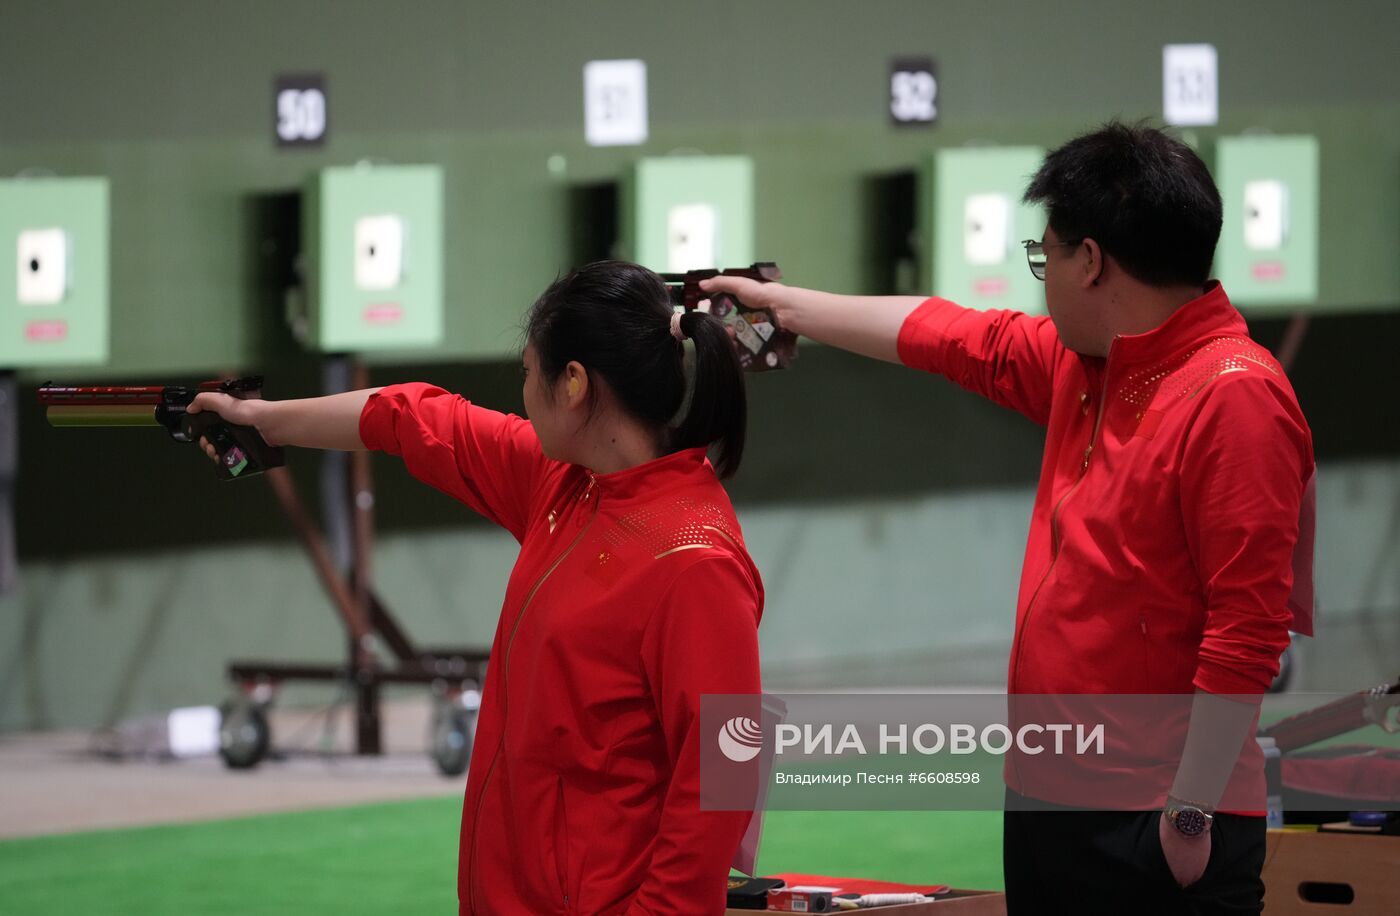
point(860, 885)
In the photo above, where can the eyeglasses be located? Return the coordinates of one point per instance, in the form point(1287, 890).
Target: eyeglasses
point(1035, 253)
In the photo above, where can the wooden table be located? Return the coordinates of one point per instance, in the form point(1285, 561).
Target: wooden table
point(1311, 872)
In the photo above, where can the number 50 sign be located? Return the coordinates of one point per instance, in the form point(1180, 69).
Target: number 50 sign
point(299, 110)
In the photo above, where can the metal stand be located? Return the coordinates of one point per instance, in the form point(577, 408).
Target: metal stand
point(1293, 336)
point(454, 673)
point(9, 465)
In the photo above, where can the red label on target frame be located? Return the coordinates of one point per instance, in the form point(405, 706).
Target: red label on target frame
point(383, 314)
point(50, 331)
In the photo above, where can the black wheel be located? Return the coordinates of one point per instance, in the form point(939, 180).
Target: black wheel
point(450, 744)
point(244, 735)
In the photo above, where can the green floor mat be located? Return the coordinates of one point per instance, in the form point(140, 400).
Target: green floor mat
point(402, 858)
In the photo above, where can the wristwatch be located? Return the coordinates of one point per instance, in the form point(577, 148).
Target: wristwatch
point(1189, 818)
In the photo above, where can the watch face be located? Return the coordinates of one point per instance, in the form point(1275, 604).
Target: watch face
point(1189, 821)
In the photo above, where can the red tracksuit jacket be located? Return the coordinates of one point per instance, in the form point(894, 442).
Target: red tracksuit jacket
point(1161, 547)
point(632, 596)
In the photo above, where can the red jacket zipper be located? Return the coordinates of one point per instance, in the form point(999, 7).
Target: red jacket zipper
point(1054, 521)
point(505, 693)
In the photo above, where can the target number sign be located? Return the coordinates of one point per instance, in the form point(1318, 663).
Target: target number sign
point(299, 116)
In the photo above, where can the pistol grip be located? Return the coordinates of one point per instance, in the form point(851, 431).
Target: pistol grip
point(241, 449)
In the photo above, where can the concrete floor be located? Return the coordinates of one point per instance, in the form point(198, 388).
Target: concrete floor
point(58, 782)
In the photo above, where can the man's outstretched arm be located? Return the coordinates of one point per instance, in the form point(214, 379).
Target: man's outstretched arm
point(868, 325)
point(1005, 356)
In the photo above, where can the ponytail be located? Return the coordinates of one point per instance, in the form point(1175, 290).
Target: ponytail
point(718, 413)
point(616, 318)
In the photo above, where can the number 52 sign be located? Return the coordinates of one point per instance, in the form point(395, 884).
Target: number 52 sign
point(299, 110)
point(913, 92)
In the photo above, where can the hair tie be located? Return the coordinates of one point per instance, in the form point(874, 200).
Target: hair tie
point(676, 331)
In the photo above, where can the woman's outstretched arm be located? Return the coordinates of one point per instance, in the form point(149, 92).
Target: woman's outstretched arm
point(331, 422)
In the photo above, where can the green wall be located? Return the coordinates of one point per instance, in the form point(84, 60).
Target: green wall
point(172, 101)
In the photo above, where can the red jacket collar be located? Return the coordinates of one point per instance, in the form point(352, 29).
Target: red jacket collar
point(656, 475)
point(1208, 315)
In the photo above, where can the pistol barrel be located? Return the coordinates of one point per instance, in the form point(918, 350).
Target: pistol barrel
point(102, 415)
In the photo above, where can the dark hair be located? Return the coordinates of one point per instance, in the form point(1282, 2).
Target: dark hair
point(614, 317)
point(1145, 197)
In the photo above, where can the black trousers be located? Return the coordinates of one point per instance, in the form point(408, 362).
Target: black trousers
point(1110, 862)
